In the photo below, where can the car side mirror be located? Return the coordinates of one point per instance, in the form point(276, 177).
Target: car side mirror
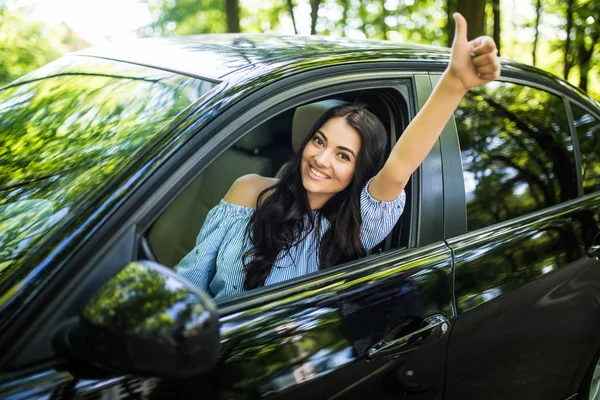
point(147, 320)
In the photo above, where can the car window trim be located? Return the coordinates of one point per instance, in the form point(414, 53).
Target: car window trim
point(217, 144)
point(521, 221)
point(454, 198)
point(585, 106)
point(576, 148)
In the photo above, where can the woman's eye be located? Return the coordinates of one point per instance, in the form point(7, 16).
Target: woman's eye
point(344, 157)
point(318, 140)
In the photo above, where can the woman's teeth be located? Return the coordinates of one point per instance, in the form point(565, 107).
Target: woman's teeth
point(318, 174)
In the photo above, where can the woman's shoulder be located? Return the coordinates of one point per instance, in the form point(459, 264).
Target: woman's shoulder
point(245, 190)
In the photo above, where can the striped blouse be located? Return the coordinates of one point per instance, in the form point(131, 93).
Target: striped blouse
point(216, 265)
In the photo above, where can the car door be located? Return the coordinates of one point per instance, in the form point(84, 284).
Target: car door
point(525, 284)
point(373, 327)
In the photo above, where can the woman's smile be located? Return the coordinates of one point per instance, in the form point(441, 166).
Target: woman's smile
point(316, 174)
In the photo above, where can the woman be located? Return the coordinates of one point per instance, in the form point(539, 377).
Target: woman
point(334, 201)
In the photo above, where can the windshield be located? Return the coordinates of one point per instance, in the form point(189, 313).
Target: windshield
point(66, 128)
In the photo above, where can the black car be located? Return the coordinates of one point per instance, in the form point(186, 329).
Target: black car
point(487, 288)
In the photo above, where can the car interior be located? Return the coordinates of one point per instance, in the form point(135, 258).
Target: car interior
point(263, 151)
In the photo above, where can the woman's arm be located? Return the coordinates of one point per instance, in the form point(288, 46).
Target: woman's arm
point(464, 72)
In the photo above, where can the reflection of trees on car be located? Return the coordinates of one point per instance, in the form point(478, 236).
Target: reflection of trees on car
point(529, 253)
point(63, 135)
point(137, 302)
point(20, 222)
point(518, 157)
point(517, 152)
point(270, 356)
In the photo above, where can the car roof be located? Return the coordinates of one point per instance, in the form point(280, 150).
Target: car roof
point(224, 57)
point(215, 57)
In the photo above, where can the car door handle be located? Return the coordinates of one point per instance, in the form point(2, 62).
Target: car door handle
point(435, 327)
point(594, 251)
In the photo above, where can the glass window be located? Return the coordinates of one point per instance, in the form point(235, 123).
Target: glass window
point(68, 129)
point(516, 150)
point(209, 248)
point(587, 128)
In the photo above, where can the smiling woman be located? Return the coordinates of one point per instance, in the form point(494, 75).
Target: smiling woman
point(337, 198)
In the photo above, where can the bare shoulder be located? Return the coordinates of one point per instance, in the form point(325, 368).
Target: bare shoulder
point(245, 190)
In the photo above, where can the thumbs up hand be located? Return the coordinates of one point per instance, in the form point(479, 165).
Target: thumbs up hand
point(474, 62)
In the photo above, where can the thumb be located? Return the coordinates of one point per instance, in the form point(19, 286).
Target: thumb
point(460, 31)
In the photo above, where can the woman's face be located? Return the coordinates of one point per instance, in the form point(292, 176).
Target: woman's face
point(329, 161)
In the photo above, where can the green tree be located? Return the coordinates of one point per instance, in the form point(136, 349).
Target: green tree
point(188, 17)
point(232, 10)
point(568, 59)
point(586, 27)
point(25, 44)
point(475, 13)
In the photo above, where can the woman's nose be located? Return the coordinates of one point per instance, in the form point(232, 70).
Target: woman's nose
point(322, 159)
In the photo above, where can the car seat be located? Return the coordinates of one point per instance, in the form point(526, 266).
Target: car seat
point(174, 234)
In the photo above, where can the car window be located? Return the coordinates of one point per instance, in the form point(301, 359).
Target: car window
point(181, 230)
point(262, 151)
point(516, 151)
point(587, 128)
point(69, 127)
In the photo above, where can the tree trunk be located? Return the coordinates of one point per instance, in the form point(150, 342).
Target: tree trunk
point(232, 10)
point(474, 13)
point(538, 11)
point(496, 10)
point(567, 60)
point(346, 5)
point(584, 68)
point(384, 14)
point(291, 9)
point(314, 9)
point(584, 57)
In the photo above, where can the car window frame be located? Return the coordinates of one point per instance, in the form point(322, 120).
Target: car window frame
point(218, 143)
point(578, 154)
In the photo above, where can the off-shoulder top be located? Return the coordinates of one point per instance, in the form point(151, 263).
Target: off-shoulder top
point(216, 266)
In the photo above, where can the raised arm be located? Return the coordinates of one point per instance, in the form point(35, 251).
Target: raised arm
point(472, 63)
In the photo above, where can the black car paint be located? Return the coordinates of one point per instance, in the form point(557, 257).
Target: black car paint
point(324, 306)
point(516, 333)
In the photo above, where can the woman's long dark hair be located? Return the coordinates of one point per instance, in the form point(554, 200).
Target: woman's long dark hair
point(280, 221)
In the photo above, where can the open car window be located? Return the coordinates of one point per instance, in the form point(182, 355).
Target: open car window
point(264, 151)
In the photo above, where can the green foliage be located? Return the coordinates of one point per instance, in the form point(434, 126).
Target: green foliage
point(264, 16)
point(25, 45)
point(186, 17)
point(425, 22)
point(141, 301)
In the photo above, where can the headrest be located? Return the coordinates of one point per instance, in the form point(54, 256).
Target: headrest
point(307, 116)
point(258, 138)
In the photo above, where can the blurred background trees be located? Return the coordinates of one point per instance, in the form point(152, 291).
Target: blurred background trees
point(560, 36)
point(25, 44)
